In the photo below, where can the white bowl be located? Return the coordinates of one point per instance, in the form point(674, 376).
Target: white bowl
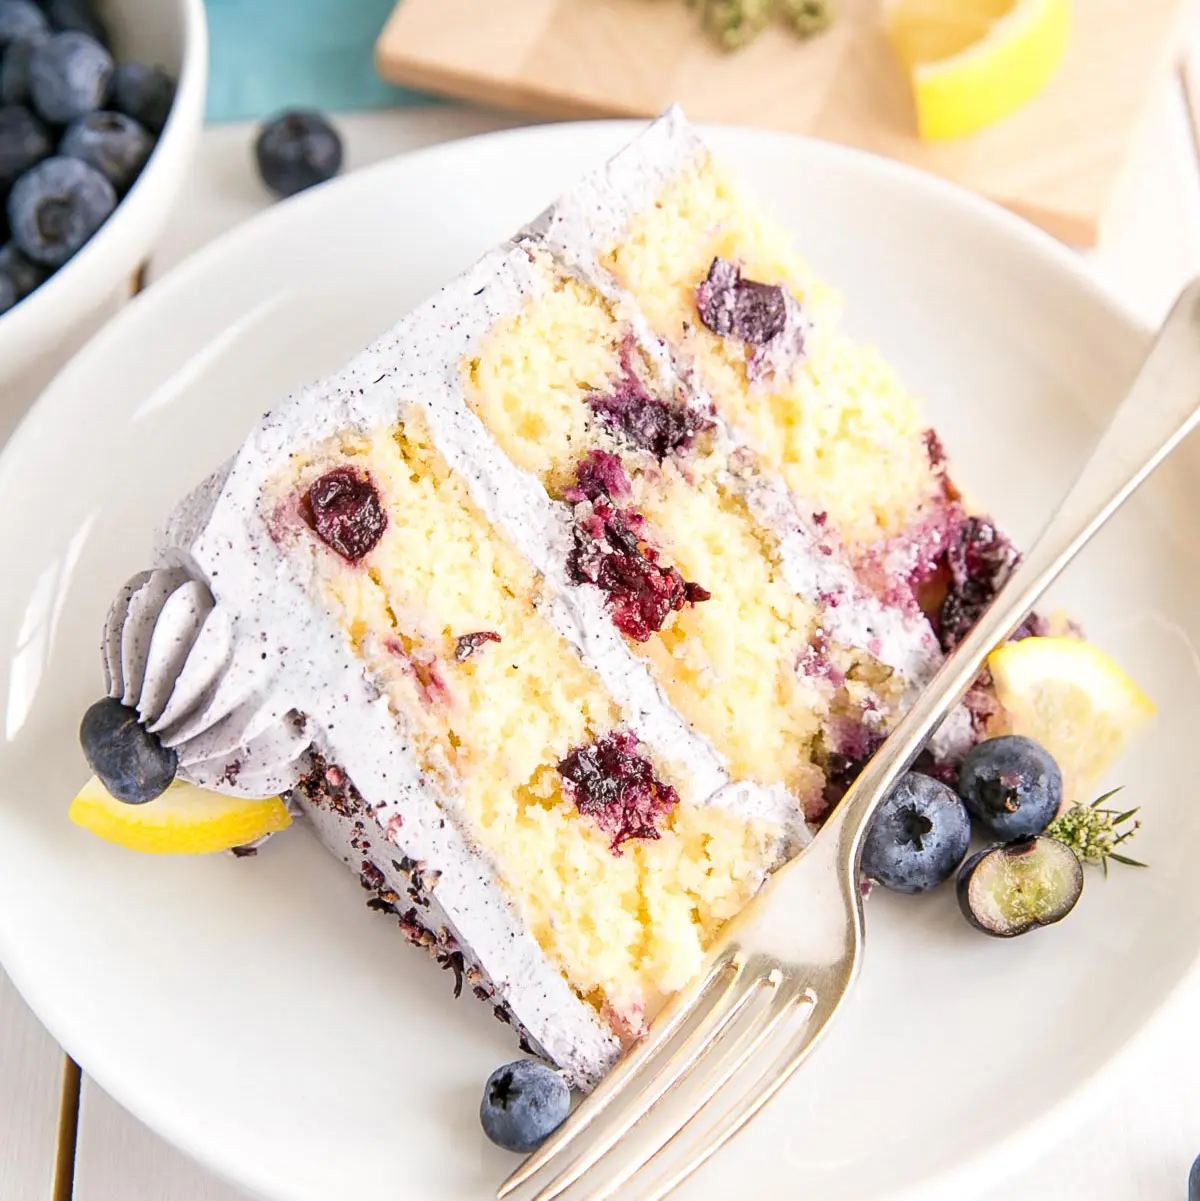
point(175, 36)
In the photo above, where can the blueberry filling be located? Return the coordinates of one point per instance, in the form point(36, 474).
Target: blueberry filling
point(980, 560)
point(611, 552)
point(615, 785)
point(937, 460)
point(645, 421)
point(741, 308)
point(843, 767)
point(343, 510)
point(598, 474)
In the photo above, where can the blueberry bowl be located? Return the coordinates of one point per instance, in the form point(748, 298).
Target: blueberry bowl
point(168, 34)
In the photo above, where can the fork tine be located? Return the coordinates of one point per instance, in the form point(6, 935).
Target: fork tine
point(717, 1135)
point(747, 1045)
point(668, 1074)
point(673, 1016)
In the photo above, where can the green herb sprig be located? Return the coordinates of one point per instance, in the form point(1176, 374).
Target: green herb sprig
point(1094, 832)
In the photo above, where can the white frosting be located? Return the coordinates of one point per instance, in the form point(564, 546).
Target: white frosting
point(584, 223)
point(168, 654)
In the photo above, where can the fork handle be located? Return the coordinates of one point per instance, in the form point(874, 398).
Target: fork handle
point(1160, 409)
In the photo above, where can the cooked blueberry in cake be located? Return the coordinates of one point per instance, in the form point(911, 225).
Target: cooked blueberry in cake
point(343, 509)
point(613, 783)
point(567, 609)
point(641, 418)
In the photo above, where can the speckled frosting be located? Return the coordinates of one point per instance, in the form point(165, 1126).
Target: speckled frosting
point(224, 653)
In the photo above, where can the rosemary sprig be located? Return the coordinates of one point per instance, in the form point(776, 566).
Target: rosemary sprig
point(1093, 832)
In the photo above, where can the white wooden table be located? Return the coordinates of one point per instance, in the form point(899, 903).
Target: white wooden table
point(62, 1137)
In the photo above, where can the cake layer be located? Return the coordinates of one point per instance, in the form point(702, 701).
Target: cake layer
point(449, 619)
point(769, 663)
point(716, 278)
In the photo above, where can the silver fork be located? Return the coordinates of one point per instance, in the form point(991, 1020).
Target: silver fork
point(782, 969)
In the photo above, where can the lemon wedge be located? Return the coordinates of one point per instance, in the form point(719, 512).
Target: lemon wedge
point(185, 820)
point(972, 62)
point(1074, 700)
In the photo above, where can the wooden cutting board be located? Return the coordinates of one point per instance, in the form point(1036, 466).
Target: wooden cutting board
point(1057, 161)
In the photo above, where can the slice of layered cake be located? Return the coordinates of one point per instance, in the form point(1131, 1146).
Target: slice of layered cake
point(567, 609)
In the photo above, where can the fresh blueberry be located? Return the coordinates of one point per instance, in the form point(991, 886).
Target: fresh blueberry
point(8, 294)
point(297, 150)
point(143, 93)
point(523, 1104)
point(21, 271)
point(55, 207)
point(24, 142)
point(1012, 787)
point(78, 16)
point(131, 762)
point(69, 77)
point(1011, 888)
point(20, 19)
point(1194, 1181)
point(14, 68)
point(116, 145)
point(918, 837)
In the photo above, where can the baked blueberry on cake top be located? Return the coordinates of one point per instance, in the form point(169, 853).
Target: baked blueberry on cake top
point(567, 609)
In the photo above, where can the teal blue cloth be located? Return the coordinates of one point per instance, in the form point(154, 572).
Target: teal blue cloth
point(267, 55)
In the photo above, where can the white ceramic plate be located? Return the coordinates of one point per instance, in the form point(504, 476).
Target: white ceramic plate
point(255, 1013)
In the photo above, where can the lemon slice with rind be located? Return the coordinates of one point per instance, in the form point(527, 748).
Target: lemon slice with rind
point(972, 62)
point(184, 820)
point(1073, 699)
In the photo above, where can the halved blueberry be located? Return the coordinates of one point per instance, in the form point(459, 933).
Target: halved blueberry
point(131, 762)
point(1009, 890)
